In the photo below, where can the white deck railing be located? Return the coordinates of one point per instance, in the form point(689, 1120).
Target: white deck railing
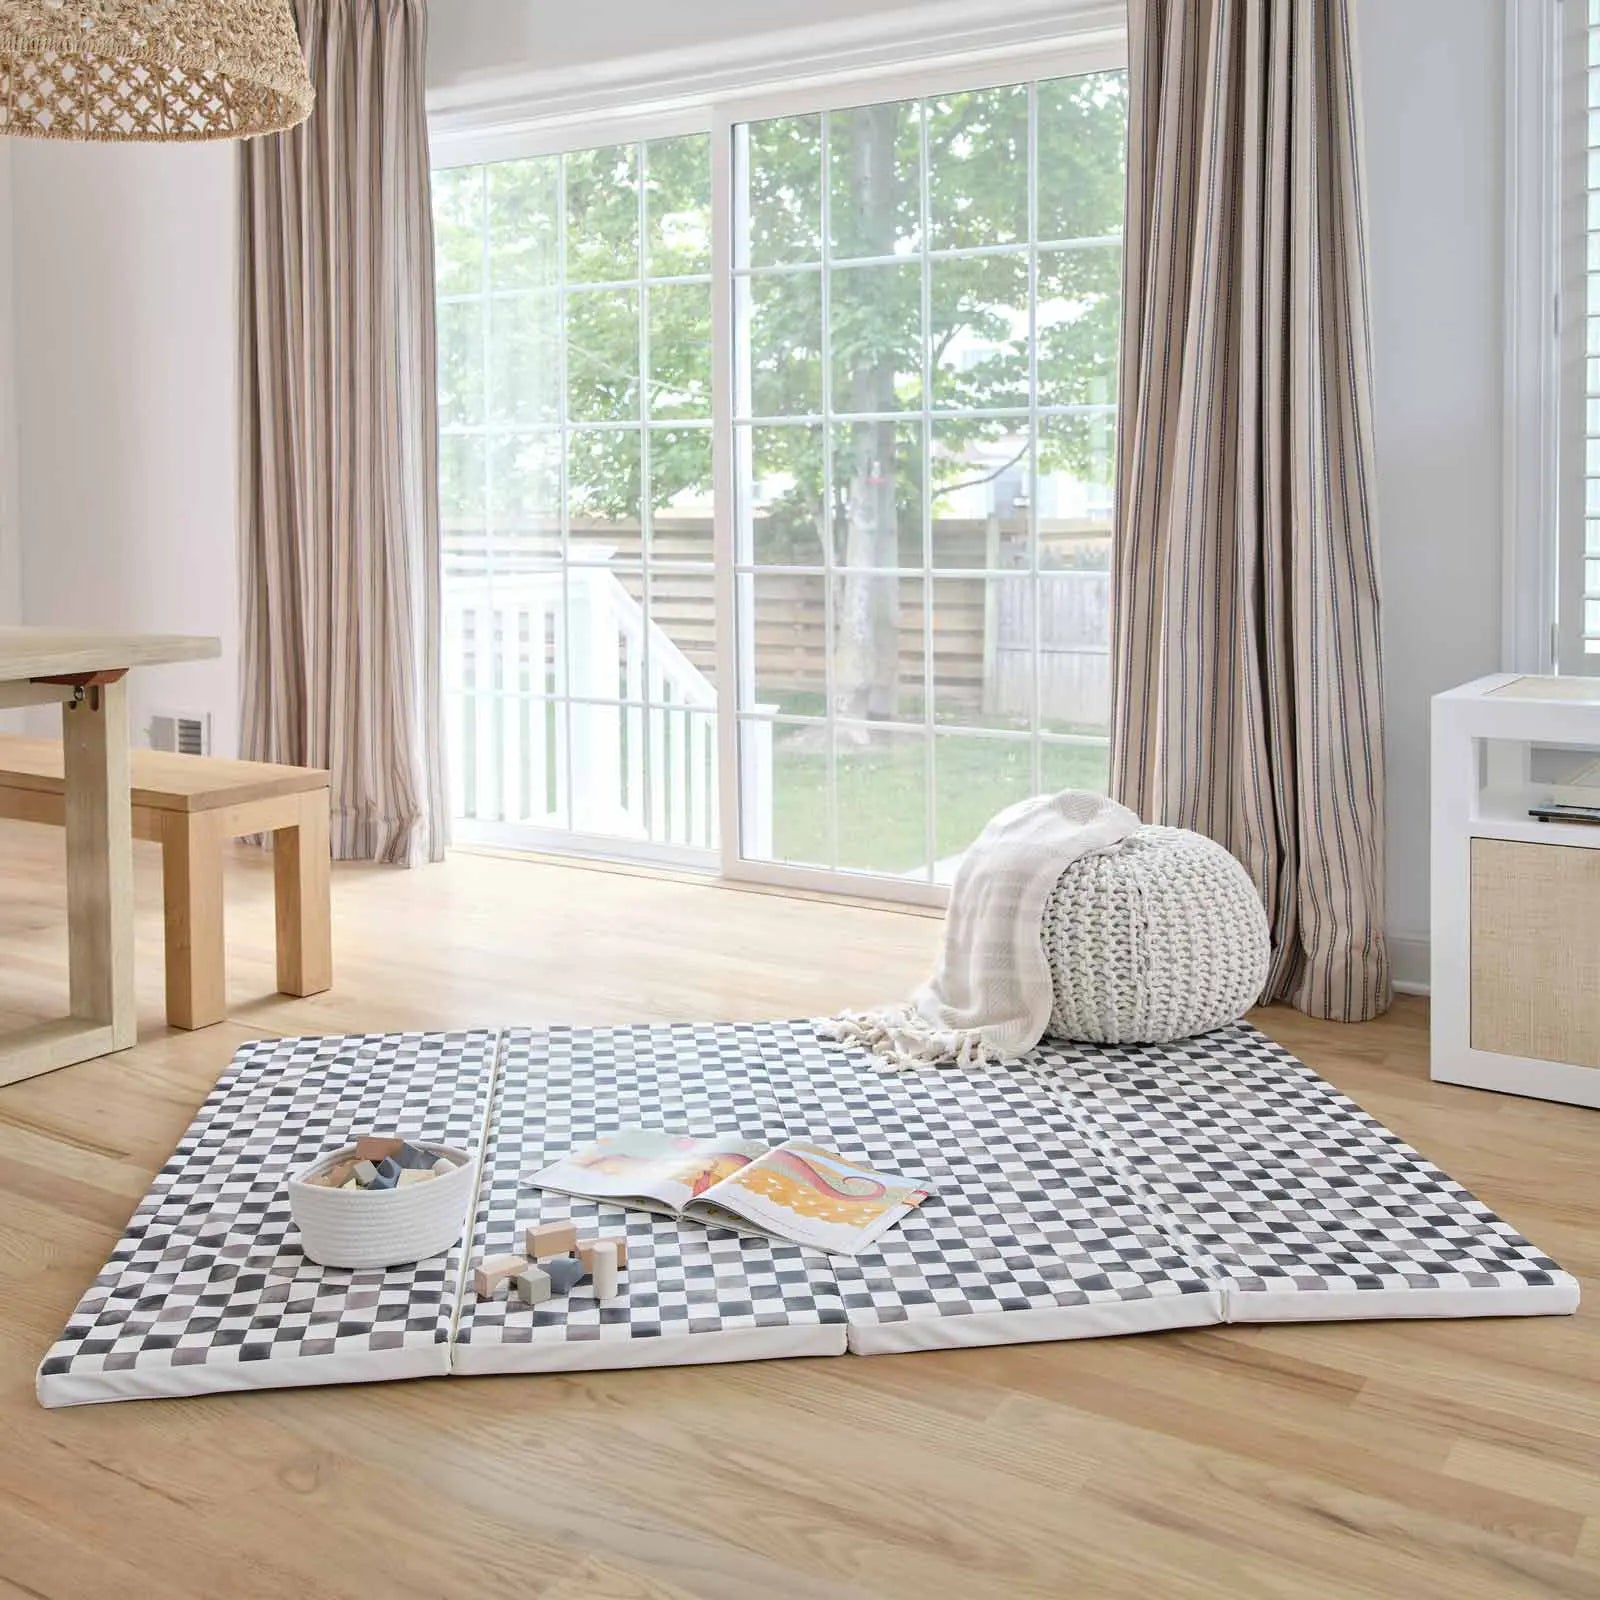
point(555, 683)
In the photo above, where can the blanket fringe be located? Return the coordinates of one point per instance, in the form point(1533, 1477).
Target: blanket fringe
point(905, 1039)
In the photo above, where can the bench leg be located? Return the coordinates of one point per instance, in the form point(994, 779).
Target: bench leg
point(191, 860)
point(300, 881)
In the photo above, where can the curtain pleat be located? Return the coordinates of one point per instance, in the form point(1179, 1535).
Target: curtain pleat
point(1246, 698)
point(339, 452)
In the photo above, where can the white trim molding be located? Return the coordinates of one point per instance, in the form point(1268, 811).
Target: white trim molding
point(497, 104)
point(1532, 336)
point(1409, 957)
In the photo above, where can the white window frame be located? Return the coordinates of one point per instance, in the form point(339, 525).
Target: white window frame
point(1532, 340)
point(1087, 40)
point(1543, 516)
point(538, 837)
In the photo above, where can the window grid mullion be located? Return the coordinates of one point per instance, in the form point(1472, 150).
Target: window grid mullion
point(939, 414)
point(1035, 586)
point(480, 640)
point(779, 269)
point(648, 728)
point(563, 477)
point(588, 286)
point(800, 719)
point(599, 425)
point(930, 787)
point(829, 621)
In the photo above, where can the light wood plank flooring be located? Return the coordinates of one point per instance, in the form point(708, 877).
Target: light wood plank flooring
point(1456, 1459)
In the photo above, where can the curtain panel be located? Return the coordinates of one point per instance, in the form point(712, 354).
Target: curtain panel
point(340, 560)
point(1246, 699)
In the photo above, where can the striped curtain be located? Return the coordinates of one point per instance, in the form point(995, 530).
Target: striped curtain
point(339, 450)
point(1246, 682)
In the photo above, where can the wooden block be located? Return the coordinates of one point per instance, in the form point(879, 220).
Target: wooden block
point(564, 1272)
point(532, 1285)
point(363, 1172)
point(586, 1250)
point(349, 1183)
point(442, 1166)
point(553, 1239)
point(336, 1175)
point(391, 1169)
point(374, 1147)
point(384, 1180)
point(603, 1268)
point(410, 1175)
point(414, 1158)
point(493, 1272)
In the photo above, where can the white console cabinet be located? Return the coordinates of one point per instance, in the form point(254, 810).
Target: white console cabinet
point(1516, 901)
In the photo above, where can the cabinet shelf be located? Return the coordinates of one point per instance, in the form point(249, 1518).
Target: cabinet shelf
point(1503, 814)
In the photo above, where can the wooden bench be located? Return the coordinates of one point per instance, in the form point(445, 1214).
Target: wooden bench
point(191, 806)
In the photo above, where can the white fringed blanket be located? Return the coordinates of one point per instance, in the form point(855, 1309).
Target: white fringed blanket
point(989, 998)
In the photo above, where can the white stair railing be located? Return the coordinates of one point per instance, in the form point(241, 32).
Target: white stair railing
point(525, 652)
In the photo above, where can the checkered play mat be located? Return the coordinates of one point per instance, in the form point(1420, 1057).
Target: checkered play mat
point(1084, 1190)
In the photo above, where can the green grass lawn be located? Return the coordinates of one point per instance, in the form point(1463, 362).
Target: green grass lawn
point(883, 794)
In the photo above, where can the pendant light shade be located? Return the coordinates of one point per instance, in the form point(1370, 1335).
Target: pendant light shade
point(155, 70)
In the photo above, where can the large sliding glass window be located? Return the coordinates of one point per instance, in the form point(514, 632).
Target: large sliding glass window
point(908, 573)
point(575, 494)
point(925, 312)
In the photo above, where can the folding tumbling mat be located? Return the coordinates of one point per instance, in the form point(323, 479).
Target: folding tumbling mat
point(208, 1289)
point(1081, 1191)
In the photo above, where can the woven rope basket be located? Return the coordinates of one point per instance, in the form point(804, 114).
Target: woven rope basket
point(388, 1227)
point(1162, 938)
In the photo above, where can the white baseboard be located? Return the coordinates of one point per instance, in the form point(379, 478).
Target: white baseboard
point(1408, 958)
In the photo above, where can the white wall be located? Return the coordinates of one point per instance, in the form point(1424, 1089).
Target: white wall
point(125, 362)
point(125, 357)
point(469, 38)
point(1434, 94)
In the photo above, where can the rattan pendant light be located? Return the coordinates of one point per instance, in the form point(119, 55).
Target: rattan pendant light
point(155, 70)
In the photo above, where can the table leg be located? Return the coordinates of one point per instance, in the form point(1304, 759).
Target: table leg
point(99, 819)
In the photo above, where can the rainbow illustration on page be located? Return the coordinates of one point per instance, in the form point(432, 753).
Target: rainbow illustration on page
point(796, 1191)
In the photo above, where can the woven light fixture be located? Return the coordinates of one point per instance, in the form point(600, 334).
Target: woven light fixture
point(155, 70)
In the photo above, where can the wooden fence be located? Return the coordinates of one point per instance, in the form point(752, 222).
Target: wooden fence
point(982, 630)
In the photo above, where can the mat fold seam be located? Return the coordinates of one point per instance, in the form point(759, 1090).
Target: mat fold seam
point(470, 1231)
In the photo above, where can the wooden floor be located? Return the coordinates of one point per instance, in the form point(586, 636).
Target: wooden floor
point(1456, 1459)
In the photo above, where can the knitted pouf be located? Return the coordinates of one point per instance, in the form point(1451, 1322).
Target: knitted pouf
point(1155, 940)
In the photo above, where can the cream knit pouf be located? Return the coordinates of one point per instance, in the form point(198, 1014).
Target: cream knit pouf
point(1161, 938)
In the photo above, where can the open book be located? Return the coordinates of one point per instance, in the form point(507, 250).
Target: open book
point(795, 1191)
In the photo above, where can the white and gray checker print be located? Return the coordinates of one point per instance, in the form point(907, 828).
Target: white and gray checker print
point(1028, 1231)
point(1287, 1192)
point(208, 1289)
point(1084, 1190)
point(687, 1294)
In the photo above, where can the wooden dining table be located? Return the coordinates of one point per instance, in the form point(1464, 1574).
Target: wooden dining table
point(85, 674)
